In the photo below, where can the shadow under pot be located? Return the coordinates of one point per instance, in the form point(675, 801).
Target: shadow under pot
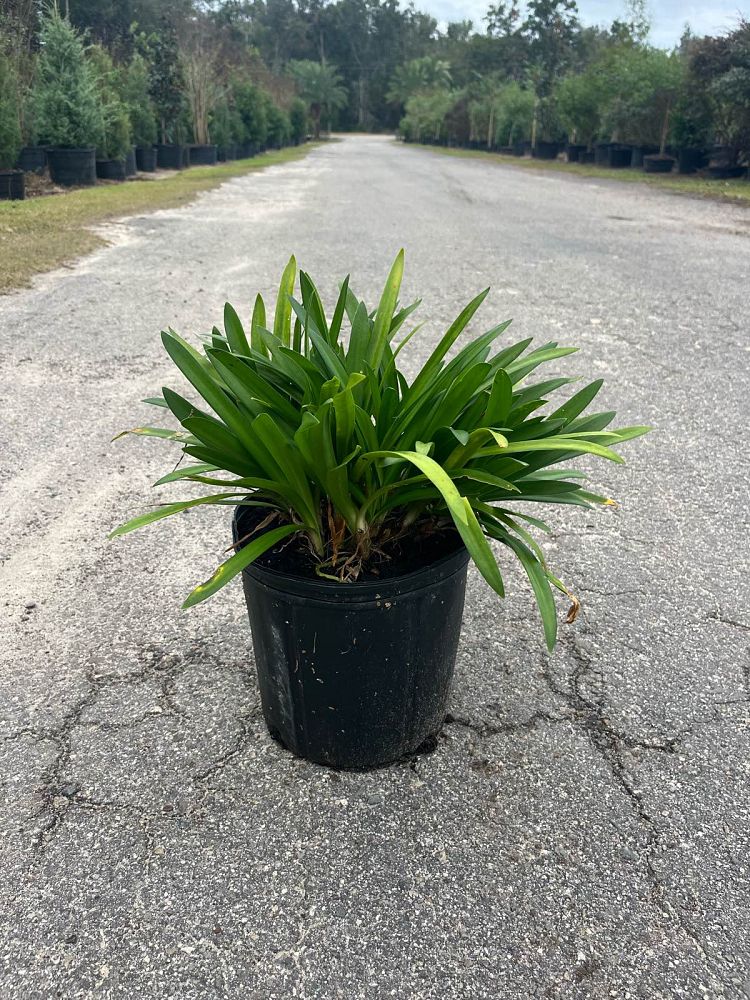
point(72, 167)
point(355, 675)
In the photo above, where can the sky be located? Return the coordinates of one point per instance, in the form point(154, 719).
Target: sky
point(668, 17)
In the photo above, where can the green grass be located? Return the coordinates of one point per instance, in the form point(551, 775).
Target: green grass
point(42, 233)
point(736, 191)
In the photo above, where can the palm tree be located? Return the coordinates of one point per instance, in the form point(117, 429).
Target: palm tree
point(419, 76)
point(320, 85)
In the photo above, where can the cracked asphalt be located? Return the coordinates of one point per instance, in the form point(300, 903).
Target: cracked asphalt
point(582, 829)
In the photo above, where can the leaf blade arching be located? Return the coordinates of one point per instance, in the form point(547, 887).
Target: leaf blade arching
point(236, 563)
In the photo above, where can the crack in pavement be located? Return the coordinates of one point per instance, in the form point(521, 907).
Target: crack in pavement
point(608, 743)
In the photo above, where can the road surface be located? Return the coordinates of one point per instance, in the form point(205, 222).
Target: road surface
point(583, 828)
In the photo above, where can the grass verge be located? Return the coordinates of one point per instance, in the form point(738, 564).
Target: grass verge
point(735, 191)
point(39, 234)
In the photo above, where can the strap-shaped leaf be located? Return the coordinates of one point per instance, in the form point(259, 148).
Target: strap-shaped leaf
point(282, 320)
point(235, 331)
point(171, 508)
point(236, 563)
point(384, 314)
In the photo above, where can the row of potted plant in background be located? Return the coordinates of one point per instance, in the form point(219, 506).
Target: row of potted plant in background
point(84, 117)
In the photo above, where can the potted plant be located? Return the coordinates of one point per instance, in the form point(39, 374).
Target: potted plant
point(198, 58)
point(359, 497)
point(166, 85)
point(68, 111)
point(11, 180)
point(134, 87)
point(115, 143)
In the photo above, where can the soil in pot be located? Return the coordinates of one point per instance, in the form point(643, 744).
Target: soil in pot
point(145, 158)
point(12, 185)
point(110, 170)
point(169, 157)
point(131, 168)
point(355, 675)
point(72, 167)
point(203, 156)
point(658, 164)
point(32, 159)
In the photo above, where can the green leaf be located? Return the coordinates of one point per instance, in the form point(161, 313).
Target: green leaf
point(235, 331)
point(236, 563)
point(384, 314)
point(168, 509)
point(283, 316)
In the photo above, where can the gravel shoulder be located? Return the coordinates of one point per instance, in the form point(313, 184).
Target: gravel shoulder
point(582, 829)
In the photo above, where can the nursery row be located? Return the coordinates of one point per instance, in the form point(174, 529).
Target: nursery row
point(71, 106)
point(714, 163)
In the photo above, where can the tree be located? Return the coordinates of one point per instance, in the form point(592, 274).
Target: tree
point(579, 104)
point(166, 83)
point(298, 120)
point(198, 57)
point(10, 126)
point(319, 85)
point(419, 76)
point(134, 86)
point(68, 109)
point(251, 109)
point(116, 135)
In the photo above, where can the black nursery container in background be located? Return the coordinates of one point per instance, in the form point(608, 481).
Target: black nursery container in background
point(574, 151)
point(131, 164)
point(203, 156)
point(546, 150)
point(170, 157)
point(145, 159)
point(72, 167)
point(32, 159)
point(12, 185)
point(110, 170)
point(659, 163)
point(359, 498)
point(620, 156)
point(638, 152)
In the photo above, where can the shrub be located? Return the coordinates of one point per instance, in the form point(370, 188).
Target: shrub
point(134, 86)
point(353, 459)
point(10, 128)
point(66, 99)
point(298, 120)
point(279, 126)
point(116, 138)
point(251, 108)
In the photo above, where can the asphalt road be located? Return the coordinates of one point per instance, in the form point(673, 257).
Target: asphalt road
point(583, 828)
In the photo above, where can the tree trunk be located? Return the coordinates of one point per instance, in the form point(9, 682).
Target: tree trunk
point(665, 128)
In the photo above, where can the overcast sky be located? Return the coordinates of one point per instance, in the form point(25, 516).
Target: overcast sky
point(668, 17)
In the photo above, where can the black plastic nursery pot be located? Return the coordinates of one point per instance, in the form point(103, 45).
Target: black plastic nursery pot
point(145, 159)
point(355, 675)
point(690, 160)
point(131, 166)
point(521, 148)
point(657, 164)
point(169, 157)
point(620, 156)
point(574, 152)
point(587, 156)
point(601, 154)
point(12, 185)
point(637, 154)
point(725, 172)
point(32, 160)
point(246, 150)
point(226, 153)
point(72, 167)
point(202, 156)
point(110, 170)
point(546, 150)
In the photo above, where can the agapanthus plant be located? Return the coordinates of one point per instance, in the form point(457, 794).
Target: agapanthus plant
point(312, 419)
